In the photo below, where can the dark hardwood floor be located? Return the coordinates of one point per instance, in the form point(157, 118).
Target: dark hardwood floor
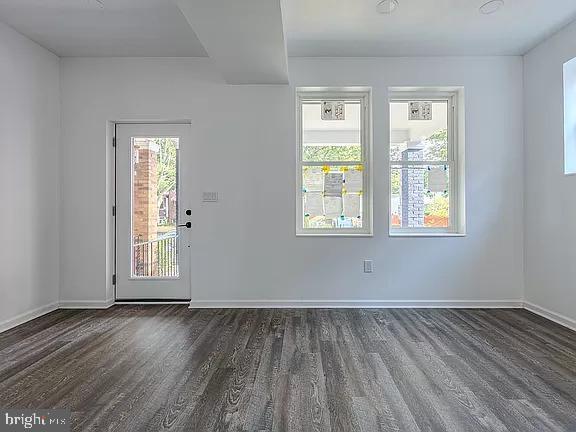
point(149, 368)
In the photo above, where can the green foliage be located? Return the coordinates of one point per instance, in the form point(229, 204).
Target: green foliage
point(167, 157)
point(395, 179)
point(437, 149)
point(395, 153)
point(332, 153)
point(438, 146)
point(439, 206)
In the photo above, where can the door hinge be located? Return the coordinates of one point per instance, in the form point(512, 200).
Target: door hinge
point(113, 141)
point(113, 279)
point(113, 210)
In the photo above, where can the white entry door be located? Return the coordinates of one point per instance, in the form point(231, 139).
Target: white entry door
point(153, 215)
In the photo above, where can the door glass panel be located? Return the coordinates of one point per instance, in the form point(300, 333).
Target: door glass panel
point(154, 207)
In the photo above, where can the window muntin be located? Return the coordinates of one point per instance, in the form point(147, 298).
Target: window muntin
point(333, 169)
point(423, 164)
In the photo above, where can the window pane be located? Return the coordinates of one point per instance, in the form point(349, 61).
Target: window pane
point(420, 196)
point(154, 207)
point(332, 197)
point(422, 139)
point(331, 140)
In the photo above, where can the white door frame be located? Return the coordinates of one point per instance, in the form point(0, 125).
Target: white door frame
point(184, 200)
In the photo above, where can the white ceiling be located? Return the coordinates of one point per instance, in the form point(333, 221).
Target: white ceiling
point(118, 28)
point(420, 27)
point(312, 27)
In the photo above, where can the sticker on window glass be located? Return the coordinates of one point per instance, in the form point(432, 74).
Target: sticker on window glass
point(313, 204)
point(352, 205)
point(313, 180)
point(333, 110)
point(332, 206)
point(353, 181)
point(333, 184)
point(437, 179)
point(420, 110)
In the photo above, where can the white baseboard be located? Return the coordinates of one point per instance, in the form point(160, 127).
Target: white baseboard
point(552, 316)
point(311, 304)
point(27, 316)
point(306, 304)
point(167, 302)
point(89, 304)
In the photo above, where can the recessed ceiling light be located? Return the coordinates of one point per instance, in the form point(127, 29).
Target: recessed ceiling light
point(491, 7)
point(387, 6)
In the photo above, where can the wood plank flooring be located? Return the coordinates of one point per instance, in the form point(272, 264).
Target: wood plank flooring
point(151, 368)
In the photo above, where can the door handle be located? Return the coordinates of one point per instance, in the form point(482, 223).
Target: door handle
point(187, 225)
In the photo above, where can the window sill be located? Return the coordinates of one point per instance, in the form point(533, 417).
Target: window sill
point(424, 234)
point(333, 234)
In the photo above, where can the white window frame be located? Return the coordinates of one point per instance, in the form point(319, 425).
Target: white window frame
point(569, 72)
point(454, 96)
point(317, 94)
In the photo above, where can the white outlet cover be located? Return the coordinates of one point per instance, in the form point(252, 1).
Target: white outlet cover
point(368, 267)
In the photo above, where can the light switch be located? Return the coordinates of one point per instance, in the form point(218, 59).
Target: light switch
point(209, 196)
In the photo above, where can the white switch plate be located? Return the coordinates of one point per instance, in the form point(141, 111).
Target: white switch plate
point(368, 266)
point(209, 196)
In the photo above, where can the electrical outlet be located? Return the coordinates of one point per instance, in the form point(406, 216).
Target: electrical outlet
point(368, 266)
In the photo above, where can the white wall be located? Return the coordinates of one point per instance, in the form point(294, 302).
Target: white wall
point(550, 218)
point(29, 160)
point(245, 139)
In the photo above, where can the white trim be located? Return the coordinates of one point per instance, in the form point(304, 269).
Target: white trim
point(552, 316)
point(304, 304)
point(454, 97)
point(425, 234)
point(167, 302)
point(125, 282)
point(364, 95)
point(384, 304)
point(86, 304)
point(27, 316)
point(153, 121)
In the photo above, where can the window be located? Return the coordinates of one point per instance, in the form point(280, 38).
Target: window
point(570, 117)
point(334, 155)
point(425, 163)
